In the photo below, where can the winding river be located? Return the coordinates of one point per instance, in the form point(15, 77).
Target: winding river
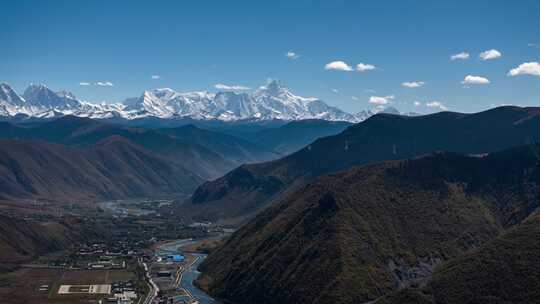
point(190, 274)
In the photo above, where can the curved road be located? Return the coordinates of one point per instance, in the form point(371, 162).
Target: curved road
point(153, 289)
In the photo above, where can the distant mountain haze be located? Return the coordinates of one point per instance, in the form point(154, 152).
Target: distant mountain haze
point(295, 135)
point(229, 147)
point(73, 158)
point(113, 169)
point(245, 190)
point(208, 151)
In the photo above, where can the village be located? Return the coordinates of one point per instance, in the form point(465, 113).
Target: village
point(102, 274)
point(134, 259)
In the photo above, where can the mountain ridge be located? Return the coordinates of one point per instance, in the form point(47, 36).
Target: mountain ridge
point(381, 137)
point(360, 234)
point(269, 102)
point(113, 168)
point(211, 153)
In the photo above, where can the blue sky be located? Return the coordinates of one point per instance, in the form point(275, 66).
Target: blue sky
point(193, 45)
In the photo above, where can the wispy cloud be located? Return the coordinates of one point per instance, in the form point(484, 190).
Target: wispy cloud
point(436, 104)
point(417, 103)
point(338, 65)
point(292, 55)
point(105, 84)
point(221, 86)
point(527, 68)
point(363, 67)
point(354, 98)
point(413, 84)
point(156, 77)
point(83, 83)
point(335, 91)
point(470, 79)
point(460, 56)
point(534, 45)
point(490, 54)
point(381, 100)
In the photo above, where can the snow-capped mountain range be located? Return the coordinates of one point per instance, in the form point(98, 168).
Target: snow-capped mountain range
point(272, 101)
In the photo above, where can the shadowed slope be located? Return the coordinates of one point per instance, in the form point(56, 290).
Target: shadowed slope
point(505, 270)
point(382, 137)
point(355, 236)
point(206, 153)
point(114, 168)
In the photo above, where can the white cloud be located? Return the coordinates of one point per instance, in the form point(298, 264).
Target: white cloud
point(533, 45)
point(381, 100)
point(490, 54)
point(338, 66)
point(84, 83)
point(292, 55)
point(354, 98)
point(527, 68)
point(105, 84)
point(460, 56)
point(156, 77)
point(413, 84)
point(221, 86)
point(436, 104)
point(470, 79)
point(335, 91)
point(363, 67)
point(371, 91)
point(417, 103)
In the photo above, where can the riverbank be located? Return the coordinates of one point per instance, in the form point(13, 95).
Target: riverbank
point(180, 285)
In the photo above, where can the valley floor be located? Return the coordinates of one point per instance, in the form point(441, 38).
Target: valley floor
point(24, 286)
point(47, 249)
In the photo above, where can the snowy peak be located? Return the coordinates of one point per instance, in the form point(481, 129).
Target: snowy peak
point(10, 101)
point(153, 104)
point(37, 91)
point(234, 106)
point(39, 97)
point(9, 96)
point(41, 102)
point(66, 94)
point(274, 88)
point(274, 100)
point(164, 93)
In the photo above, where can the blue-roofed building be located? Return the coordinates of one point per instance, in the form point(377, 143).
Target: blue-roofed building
point(177, 257)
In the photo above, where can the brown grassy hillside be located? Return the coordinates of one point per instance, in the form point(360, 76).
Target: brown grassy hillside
point(21, 240)
point(114, 168)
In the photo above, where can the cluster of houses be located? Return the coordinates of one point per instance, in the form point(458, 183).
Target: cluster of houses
point(97, 256)
point(123, 293)
point(99, 262)
point(118, 249)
